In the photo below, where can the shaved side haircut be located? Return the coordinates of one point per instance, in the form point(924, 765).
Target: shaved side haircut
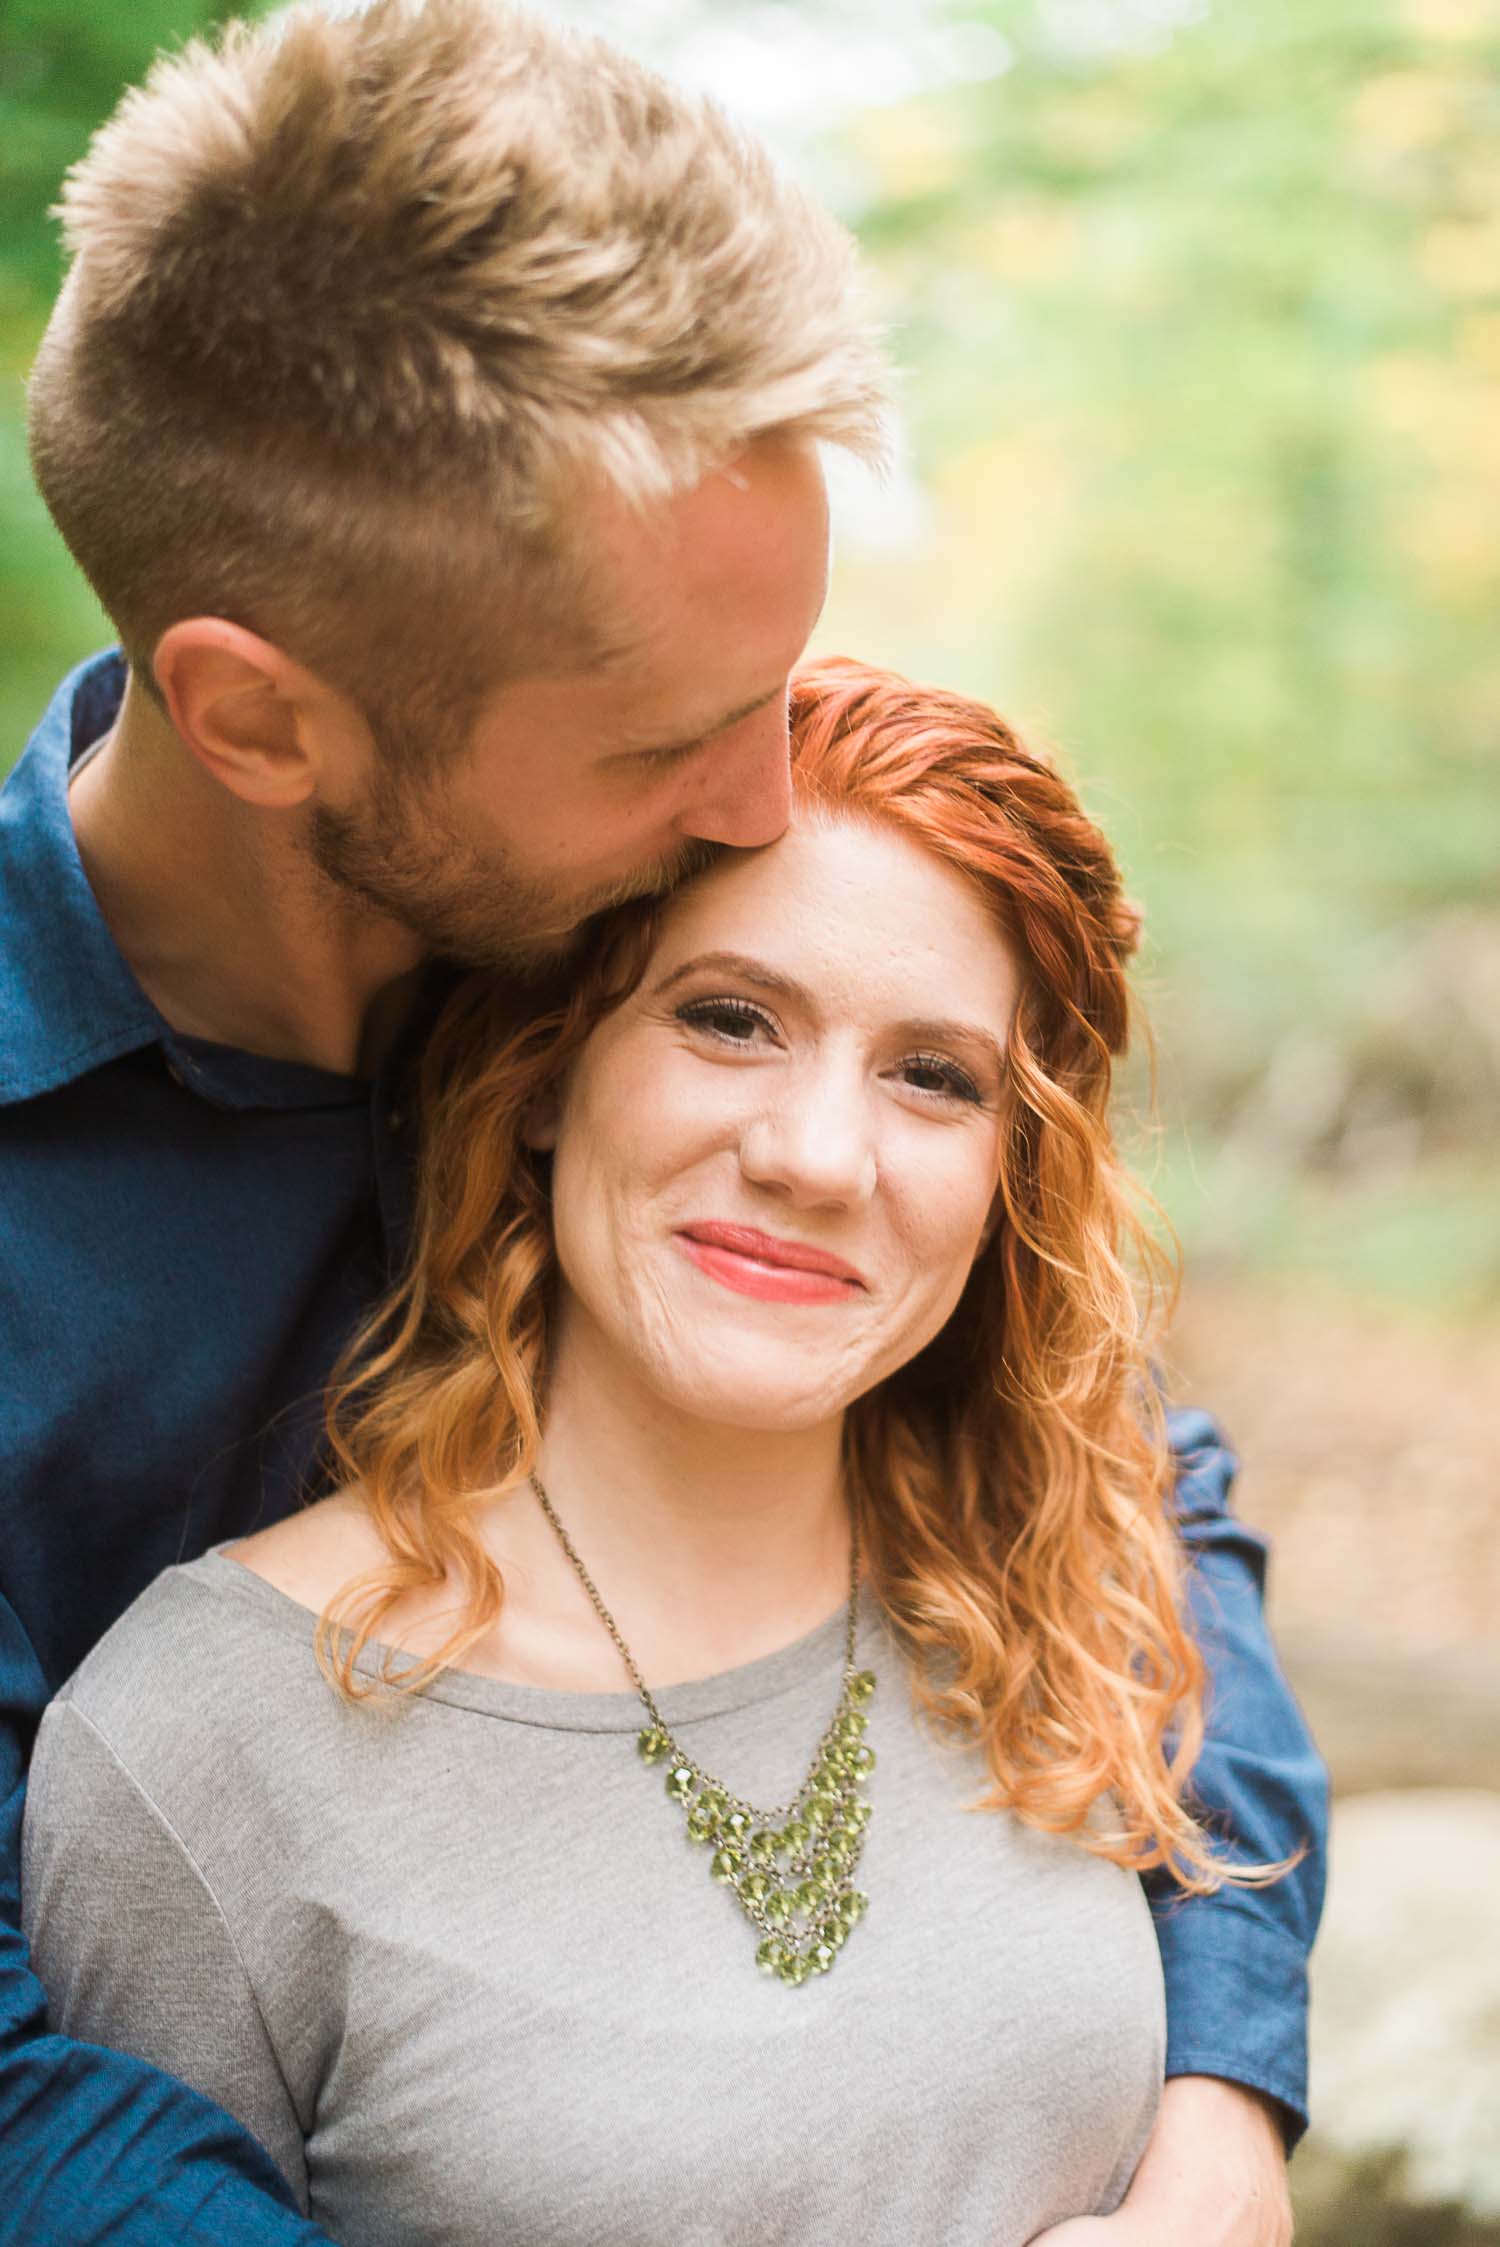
point(360, 303)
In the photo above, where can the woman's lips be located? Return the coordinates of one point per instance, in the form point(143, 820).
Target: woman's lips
point(776, 1271)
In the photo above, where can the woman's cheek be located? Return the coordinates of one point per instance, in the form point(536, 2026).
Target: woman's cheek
point(945, 1199)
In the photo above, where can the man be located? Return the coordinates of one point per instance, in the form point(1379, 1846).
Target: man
point(432, 402)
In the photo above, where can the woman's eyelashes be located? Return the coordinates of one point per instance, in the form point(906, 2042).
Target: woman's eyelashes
point(731, 1021)
point(735, 1022)
point(952, 1081)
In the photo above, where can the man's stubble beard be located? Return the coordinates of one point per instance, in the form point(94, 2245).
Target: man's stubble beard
point(393, 856)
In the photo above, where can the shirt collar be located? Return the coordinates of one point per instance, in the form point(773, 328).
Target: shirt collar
point(68, 1002)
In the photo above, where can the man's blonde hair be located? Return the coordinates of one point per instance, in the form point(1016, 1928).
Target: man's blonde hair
point(359, 301)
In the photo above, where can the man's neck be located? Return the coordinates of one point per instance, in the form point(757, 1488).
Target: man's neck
point(221, 915)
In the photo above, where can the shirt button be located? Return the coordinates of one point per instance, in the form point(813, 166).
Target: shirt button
point(396, 1118)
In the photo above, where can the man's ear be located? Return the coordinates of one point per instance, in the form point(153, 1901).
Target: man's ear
point(539, 1125)
point(261, 723)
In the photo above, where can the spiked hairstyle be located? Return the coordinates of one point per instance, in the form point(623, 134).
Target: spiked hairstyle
point(360, 300)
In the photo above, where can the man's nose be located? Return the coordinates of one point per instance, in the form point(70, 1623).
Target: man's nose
point(815, 1144)
point(744, 796)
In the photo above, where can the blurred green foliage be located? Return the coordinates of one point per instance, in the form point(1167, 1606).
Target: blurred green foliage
point(1203, 344)
point(1200, 318)
point(62, 66)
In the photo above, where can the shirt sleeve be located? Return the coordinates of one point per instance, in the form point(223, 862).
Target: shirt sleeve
point(98, 2144)
point(1235, 1963)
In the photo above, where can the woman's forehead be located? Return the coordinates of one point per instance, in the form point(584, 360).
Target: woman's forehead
point(844, 899)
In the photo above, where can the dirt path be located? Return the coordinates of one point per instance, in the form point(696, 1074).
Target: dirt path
point(1371, 1451)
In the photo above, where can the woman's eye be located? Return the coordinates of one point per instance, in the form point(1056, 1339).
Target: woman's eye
point(930, 1073)
point(733, 1021)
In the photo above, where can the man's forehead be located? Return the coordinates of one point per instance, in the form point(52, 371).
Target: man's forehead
point(753, 517)
point(667, 689)
point(694, 602)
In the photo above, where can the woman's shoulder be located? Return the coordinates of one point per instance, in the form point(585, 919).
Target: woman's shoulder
point(311, 1555)
point(212, 1651)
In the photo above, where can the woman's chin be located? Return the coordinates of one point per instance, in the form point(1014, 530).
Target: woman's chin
point(770, 1399)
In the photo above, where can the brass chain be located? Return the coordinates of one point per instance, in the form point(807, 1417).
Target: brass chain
point(679, 1754)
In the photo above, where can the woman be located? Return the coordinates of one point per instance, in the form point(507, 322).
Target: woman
point(760, 1466)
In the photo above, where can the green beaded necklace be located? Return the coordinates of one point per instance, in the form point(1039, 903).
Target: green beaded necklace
point(790, 1869)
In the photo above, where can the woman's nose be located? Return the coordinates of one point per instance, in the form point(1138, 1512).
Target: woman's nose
point(817, 1150)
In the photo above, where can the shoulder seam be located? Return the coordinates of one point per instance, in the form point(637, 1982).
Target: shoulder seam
point(69, 1705)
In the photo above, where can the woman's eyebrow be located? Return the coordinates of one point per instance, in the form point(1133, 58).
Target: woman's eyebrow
point(950, 1033)
point(741, 965)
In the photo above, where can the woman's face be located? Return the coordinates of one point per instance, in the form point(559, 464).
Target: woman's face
point(775, 1163)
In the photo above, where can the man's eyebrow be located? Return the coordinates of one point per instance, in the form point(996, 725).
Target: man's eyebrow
point(704, 733)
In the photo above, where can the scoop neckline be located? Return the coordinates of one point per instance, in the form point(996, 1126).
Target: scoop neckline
point(786, 1669)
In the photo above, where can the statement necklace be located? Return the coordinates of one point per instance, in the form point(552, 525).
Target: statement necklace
point(790, 1869)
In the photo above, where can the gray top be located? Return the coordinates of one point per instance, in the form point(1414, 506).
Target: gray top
point(459, 1968)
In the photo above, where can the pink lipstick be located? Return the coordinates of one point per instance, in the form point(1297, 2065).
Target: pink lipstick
point(776, 1271)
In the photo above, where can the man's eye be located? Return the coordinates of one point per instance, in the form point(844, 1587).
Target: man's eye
point(734, 1021)
point(662, 760)
point(933, 1074)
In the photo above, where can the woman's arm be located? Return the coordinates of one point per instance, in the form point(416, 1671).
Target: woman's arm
point(130, 1943)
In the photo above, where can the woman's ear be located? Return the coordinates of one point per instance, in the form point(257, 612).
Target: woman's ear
point(539, 1125)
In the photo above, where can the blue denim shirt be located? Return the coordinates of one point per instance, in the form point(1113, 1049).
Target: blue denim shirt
point(187, 1234)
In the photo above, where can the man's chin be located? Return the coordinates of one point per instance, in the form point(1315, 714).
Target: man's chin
point(415, 889)
point(544, 948)
point(657, 880)
point(535, 957)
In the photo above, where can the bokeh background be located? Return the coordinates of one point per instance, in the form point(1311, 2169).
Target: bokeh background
point(1197, 310)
